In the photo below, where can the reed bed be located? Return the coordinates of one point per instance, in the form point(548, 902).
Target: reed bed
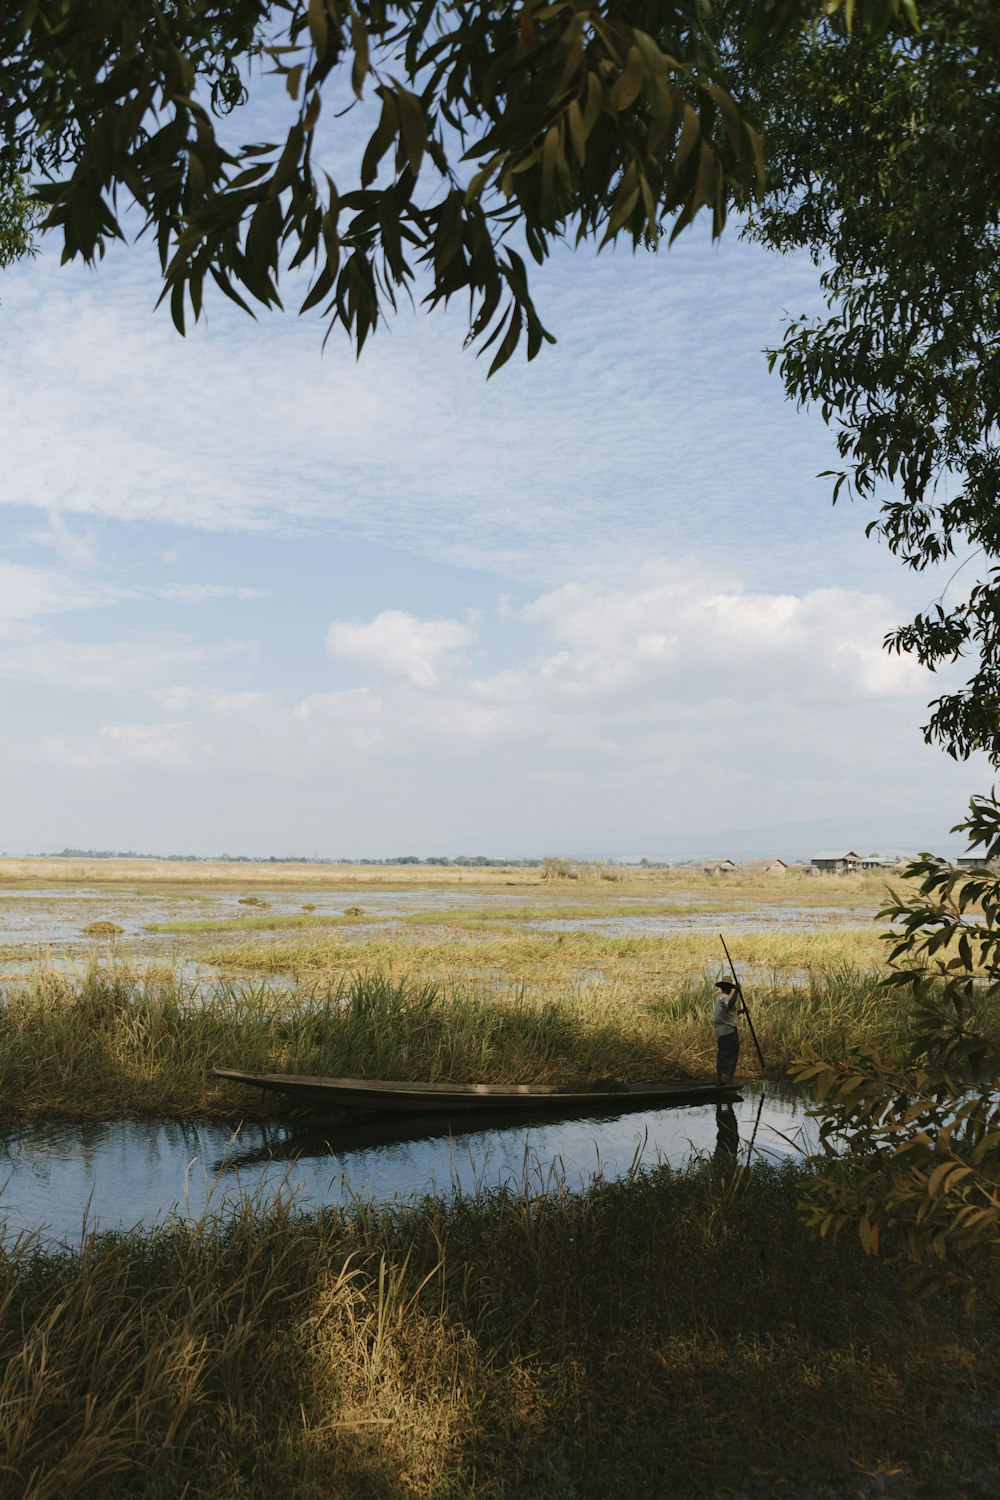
point(544, 961)
point(112, 1043)
point(463, 923)
point(665, 1335)
point(461, 920)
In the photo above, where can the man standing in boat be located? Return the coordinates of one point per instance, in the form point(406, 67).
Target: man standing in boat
point(725, 1017)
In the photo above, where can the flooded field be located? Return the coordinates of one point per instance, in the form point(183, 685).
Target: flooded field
point(70, 924)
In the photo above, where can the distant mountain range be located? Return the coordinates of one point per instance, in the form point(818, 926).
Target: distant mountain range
point(892, 835)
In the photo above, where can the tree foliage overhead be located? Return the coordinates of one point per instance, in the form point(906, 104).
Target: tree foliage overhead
point(491, 118)
point(497, 125)
point(884, 158)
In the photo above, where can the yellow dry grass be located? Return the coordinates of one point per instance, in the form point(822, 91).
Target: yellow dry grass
point(588, 882)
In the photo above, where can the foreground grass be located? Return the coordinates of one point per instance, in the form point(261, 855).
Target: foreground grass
point(666, 1335)
point(112, 1043)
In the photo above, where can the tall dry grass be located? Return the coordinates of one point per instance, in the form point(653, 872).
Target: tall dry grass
point(584, 878)
point(113, 1043)
point(550, 963)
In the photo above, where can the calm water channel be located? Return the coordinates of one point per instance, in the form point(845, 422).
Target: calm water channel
point(122, 1173)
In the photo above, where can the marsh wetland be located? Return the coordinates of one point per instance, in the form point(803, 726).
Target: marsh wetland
point(204, 1293)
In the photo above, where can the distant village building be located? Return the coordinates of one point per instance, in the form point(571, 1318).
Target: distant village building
point(974, 861)
point(718, 867)
point(879, 862)
point(765, 866)
point(837, 861)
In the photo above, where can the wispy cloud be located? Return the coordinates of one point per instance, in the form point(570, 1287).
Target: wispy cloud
point(155, 746)
point(27, 592)
point(198, 593)
point(652, 422)
point(142, 665)
point(77, 549)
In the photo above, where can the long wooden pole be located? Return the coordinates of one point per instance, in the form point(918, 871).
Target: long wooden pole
point(756, 1123)
point(746, 1011)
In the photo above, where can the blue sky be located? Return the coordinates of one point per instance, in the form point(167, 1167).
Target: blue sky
point(259, 598)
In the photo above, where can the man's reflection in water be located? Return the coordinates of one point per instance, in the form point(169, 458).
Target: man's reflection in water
point(727, 1135)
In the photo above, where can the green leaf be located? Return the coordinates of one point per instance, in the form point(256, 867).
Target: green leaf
point(319, 29)
point(362, 64)
point(629, 85)
point(413, 126)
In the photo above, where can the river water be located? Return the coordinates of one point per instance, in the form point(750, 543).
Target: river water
point(58, 1177)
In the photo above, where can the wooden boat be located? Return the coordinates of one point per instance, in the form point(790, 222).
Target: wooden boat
point(463, 1098)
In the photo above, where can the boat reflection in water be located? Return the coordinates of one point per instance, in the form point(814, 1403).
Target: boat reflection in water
point(121, 1173)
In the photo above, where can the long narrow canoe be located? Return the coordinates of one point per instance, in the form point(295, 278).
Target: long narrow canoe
point(454, 1098)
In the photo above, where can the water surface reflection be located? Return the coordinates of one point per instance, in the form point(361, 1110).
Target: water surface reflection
point(122, 1173)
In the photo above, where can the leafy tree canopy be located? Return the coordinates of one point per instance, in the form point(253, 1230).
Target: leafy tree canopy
point(885, 164)
point(496, 123)
point(18, 215)
point(910, 1142)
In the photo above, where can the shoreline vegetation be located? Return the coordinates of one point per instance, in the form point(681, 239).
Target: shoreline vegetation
point(671, 1333)
point(113, 1043)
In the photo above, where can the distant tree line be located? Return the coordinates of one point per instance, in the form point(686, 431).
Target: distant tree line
point(461, 861)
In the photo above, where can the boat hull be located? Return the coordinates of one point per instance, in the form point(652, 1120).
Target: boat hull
point(463, 1098)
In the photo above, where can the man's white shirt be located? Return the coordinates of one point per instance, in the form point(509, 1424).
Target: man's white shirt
point(724, 1019)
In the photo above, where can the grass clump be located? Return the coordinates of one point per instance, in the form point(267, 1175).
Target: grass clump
point(274, 921)
point(103, 929)
point(502, 1345)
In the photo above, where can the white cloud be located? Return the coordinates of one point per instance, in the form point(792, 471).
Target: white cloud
point(680, 682)
point(398, 645)
point(682, 628)
point(625, 716)
point(665, 669)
